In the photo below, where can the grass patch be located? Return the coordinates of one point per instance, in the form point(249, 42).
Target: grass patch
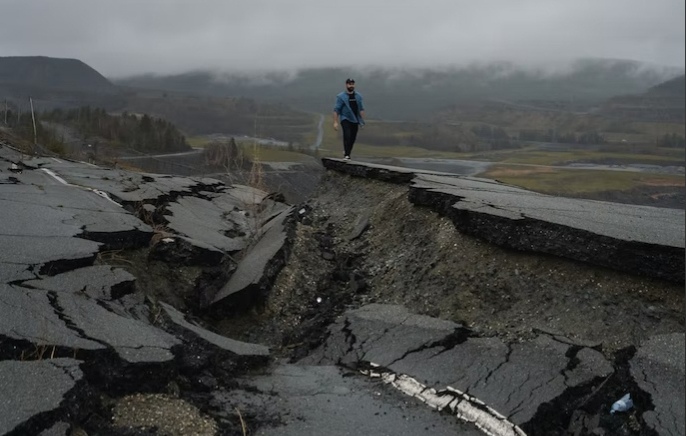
point(332, 146)
point(273, 154)
point(367, 150)
point(198, 141)
point(556, 181)
point(655, 130)
point(539, 157)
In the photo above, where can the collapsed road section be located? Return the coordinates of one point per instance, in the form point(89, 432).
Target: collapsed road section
point(351, 313)
point(89, 257)
point(637, 239)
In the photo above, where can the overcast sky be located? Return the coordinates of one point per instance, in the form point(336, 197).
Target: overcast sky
point(125, 37)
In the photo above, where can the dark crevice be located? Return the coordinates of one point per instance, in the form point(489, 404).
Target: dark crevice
point(350, 337)
point(56, 267)
point(59, 311)
point(505, 361)
point(457, 337)
point(118, 240)
point(573, 361)
point(585, 409)
point(122, 289)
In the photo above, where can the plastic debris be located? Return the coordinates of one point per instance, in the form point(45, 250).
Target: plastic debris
point(623, 404)
point(319, 299)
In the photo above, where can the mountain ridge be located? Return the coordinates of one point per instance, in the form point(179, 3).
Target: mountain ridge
point(55, 82)
point(416, 93)
point(664, 102)
point(47, 72)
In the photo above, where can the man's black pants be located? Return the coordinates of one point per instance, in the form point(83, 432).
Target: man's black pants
point(349, 136)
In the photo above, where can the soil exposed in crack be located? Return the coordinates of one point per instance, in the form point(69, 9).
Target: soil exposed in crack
point(411, 256)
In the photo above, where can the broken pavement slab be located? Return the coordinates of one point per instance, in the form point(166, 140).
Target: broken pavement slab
point(202, 220)
point(658, 368)
point(513, 379)
point(100, 281)
point(303, 400)
point(260, 264)
point(34, 388)
point(56, 302)
point(637, 239)
point(73, 321)
point(239, 348)
point(204, 212)
point(368, 170)
point(50, 229)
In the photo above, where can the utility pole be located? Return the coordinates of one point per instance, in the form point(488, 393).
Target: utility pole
point(33, 117)
point(5, 111)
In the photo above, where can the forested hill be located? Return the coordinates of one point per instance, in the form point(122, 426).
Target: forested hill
point(665, 102)
point(675, 87)
point(416, 94)
point(54, 73)
point(55, 82)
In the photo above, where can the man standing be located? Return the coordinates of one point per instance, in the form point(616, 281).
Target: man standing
point(350, 111)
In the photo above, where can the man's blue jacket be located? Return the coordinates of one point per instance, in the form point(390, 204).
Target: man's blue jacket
point(344, 111)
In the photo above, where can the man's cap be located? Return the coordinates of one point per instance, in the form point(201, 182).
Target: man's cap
point(349, 80)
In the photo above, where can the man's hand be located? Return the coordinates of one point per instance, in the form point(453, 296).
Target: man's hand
point(335, 125)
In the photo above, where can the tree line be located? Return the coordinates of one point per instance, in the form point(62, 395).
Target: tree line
point(554, 136)
point(139, 132)
point(671, 141)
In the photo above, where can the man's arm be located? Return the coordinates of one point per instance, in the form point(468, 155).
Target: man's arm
point(361, 111)
point(336, 111)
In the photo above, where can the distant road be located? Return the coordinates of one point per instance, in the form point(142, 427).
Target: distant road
point(147, 156)
point(320, 133)
point(473, 167)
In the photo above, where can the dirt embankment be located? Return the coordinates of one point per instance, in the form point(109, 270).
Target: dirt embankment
point(411, 256)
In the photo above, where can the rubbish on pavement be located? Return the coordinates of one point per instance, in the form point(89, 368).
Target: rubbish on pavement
point(623, 404)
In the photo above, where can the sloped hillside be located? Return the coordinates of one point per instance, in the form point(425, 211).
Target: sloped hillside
point(661, 103)
point(52, 73)
point(361, 241)
point(673, 88)
point(55, 83)
point(388, 91)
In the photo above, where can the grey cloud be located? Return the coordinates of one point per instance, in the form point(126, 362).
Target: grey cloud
point(166, 36)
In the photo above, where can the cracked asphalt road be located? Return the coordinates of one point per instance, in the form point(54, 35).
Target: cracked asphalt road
point(382, 314)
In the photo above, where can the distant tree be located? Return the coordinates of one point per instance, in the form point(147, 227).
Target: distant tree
point(145, 133)
point(591, 138)
point(672, 141)
point(224, 154)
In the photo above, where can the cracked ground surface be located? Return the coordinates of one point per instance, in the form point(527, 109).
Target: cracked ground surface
point(409, 255)
point(360, 242)
point(372, 282)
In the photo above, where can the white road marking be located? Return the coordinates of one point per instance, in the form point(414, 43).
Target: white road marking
point(98, 192)
point(55, 176)
point(464, 406)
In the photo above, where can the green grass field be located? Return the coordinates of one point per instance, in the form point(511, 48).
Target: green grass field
point(559, 181)
point(198, 141)
point(528, 167)
point(537, 157)
point(274, 154)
